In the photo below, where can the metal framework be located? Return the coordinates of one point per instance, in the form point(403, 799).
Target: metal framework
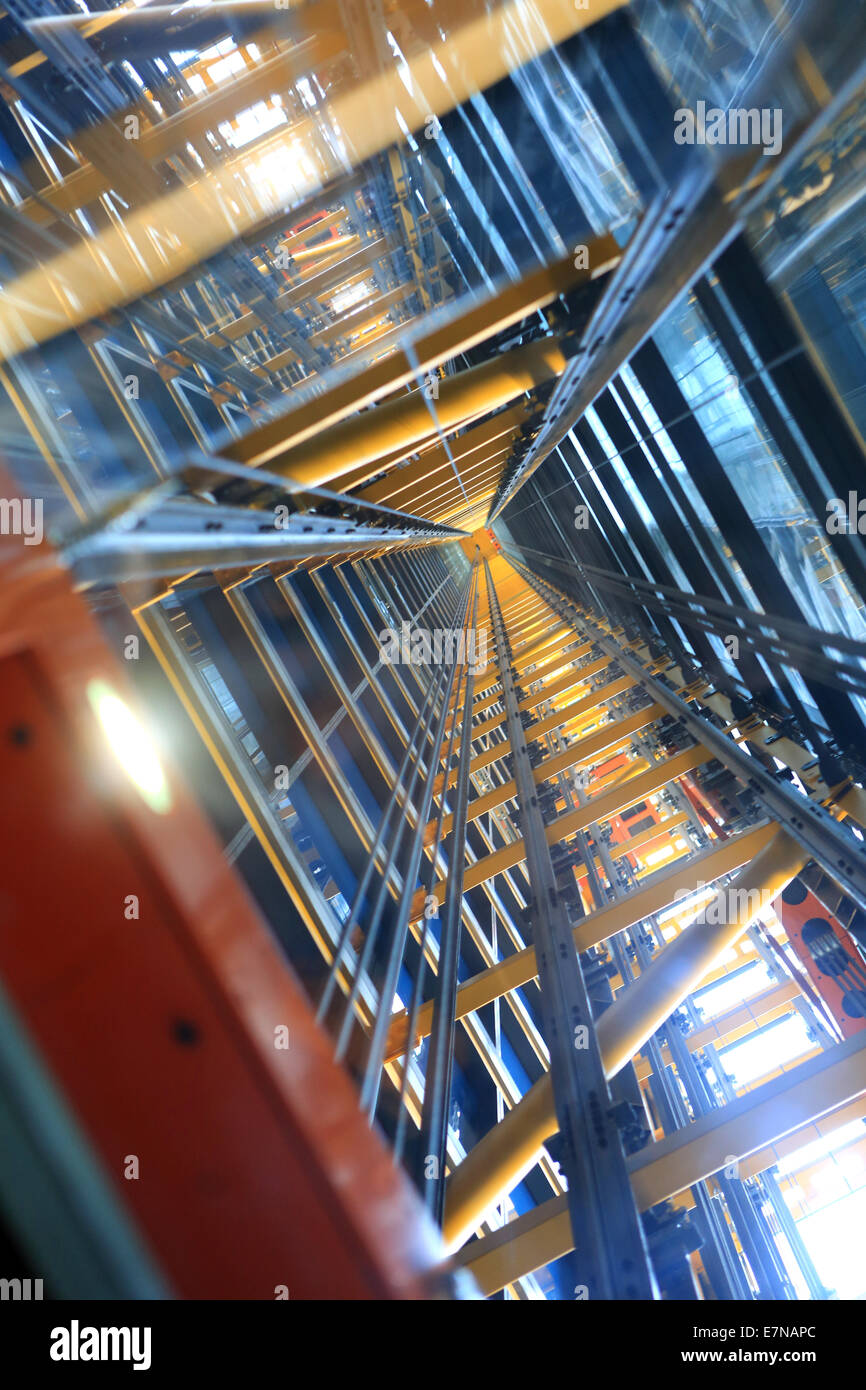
point(458, 473)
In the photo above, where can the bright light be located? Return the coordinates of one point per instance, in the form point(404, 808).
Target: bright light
point(281, 173)
point(820, 1148)
point(130, 744)
point(793, 1195)
point(830, 1184)
point(851, 1167)
point(835, 1237)
point(659, 856)
point(251, 123)
point(351, 296)
point(732, 990)
point(688, 906)
point(218, 72)
point(770, 1049)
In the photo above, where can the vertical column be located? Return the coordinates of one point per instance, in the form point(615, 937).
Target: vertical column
point(607, 1233)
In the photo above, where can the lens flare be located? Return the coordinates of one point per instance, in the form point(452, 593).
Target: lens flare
point(131, 745)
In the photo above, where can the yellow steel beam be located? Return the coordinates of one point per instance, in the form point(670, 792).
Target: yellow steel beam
point(609, 738)
point(368, 312)
point(622, 1030)
point(161, 240)
point(651, 838)
point(585, 705)
point(410, 237)
point(515, 610)
point(84, 184)
point(554, 721)
point(572, 677)
point(549, 668)
point(482, 320)
point(814, 1089)
point(518, 969)
point(328, 248)
point(543, 642)
point(597, 808)
point(724, 1025)
point(478, 442)
point(788, 752)
point(449, 490)
point(328, 277)
point(752, 1121)
point(458, 515)
point(531, 654)
point(400, 423)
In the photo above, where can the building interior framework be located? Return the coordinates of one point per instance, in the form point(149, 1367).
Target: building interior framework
point(433, 649)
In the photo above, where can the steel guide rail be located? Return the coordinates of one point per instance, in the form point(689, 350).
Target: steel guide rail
point(378, 1039)
point(158, 533)
point(431, 718)
point(675, 1115)
point(398, 797)
point(440, 1059)
point(411, 1098)
point(606, 1228)
point(415, 1004)
point(805, 642)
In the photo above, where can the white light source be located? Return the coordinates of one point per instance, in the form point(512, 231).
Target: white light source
point(658, 856)
point(817, 1149)
point(130, 744)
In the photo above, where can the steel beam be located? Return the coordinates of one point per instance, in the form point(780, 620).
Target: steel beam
point(659, 1172)
point(402, 422)
point(634, 1016)
point(816, 831)
point(519, 968)
point(612, 1252)
point(119, 264)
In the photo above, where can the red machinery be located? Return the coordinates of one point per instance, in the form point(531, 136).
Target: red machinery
point(805, 919)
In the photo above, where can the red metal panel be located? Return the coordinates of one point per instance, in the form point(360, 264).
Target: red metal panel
point(794, 917)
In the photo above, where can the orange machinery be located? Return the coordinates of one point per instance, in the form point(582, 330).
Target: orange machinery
point(836, 973)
